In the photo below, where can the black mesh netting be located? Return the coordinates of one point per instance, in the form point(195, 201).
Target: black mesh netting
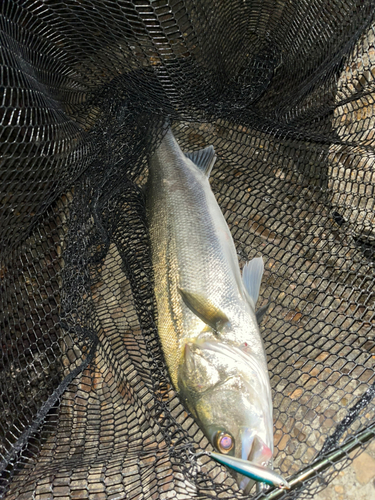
point(284, 90)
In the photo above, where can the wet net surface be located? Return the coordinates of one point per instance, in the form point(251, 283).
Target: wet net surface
point(284, 92)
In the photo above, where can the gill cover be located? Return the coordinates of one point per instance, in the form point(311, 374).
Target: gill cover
point(197, 373)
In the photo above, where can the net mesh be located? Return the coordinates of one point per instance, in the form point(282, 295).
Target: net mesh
point(284, 91)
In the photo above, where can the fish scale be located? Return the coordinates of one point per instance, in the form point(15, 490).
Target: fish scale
point(186, 243)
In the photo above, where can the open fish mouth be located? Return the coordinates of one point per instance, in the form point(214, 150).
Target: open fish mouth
point(255, 451)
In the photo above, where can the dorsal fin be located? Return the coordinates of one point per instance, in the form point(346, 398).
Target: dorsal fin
point(252, 276)
point(204, 309)
point(204, 159)
point(261, 312)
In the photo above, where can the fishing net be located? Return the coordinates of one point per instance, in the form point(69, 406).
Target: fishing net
point(284, 91)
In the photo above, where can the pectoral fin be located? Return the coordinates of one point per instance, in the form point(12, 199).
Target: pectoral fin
point(252, 276)
point(204, 309)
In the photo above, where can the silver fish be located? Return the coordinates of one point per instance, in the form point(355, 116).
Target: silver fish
point(206, 311)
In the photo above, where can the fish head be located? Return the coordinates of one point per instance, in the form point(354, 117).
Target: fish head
point(228, 392)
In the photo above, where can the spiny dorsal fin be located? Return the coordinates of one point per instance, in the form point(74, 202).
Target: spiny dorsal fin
point(252, 276)
point(204, 159)
point(204, 309)
point(261, 312)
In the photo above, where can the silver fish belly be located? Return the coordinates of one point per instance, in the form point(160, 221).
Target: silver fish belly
point(206, 309)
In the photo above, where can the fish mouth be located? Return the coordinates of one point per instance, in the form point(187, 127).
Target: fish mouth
point(254, 450)
point(257, 451)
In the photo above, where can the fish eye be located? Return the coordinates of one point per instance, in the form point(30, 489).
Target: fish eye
point(224, 442)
